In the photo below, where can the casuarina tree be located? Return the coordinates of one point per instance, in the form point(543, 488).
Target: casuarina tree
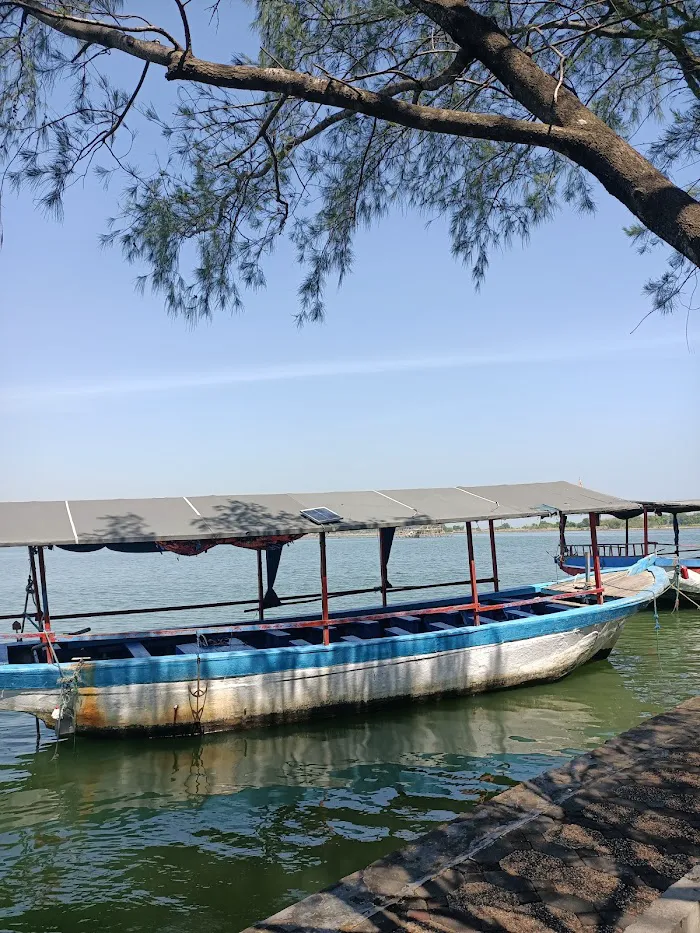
point(491, 114)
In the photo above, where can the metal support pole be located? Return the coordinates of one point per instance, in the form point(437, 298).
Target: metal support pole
point(494, 560)
point(472, 572)
point(383, 568)
point(45, 615)
point(261, 592)
point(324, 588)
point(676, 534)
point(627, 537)
point(562, 537)
point(646, 532)
point(35, 585)
point(593, 520)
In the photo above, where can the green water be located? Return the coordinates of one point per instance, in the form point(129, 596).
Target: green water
point(219, 832)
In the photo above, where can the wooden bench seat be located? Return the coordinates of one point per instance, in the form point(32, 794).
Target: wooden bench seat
point(395, 630)
point(137, 650)
point(410, 623)
point(300, 642)
point(235, 644)
point(351, 638)
point(366, 628)
point(277, 638)
point(191, 647)
point(4, 657)
point(440, 626)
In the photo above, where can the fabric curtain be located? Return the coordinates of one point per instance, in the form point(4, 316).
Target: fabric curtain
point(386, 539)
point(676, 533)
point(273, 556)
point(562, 534)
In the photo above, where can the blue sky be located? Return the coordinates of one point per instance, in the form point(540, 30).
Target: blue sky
point(414, 378)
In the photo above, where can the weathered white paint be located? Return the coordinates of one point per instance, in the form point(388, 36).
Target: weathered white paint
point(241, 702)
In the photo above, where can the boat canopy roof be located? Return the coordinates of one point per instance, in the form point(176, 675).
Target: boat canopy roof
point(673, 506)
point(207, 518)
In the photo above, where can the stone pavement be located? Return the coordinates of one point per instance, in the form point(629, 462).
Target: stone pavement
point(586, 847)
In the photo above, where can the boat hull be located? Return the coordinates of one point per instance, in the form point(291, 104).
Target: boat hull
point(238, 702)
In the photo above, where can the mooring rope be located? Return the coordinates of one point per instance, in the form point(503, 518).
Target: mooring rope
point(676, 584)
point(198, 694)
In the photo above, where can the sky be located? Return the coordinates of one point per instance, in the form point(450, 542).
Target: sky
point(414, 379)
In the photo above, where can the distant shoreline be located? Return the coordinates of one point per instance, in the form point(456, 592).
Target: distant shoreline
point(406, 531)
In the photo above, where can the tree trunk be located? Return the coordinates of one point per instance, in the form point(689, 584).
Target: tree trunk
point(667, 210)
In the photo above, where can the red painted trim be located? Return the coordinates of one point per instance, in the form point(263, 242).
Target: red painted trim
point(373, 617)
point(472, 573)
point(646, 533)
point(593, 520)
point(324, 589)
point(494, 560)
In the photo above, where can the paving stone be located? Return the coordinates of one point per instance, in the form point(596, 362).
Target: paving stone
point(435, 920)
point(589, 862)
point(591, 921)
point(509, 882)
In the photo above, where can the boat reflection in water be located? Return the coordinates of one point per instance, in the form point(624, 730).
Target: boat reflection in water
point(463, 736)
point(226, 829)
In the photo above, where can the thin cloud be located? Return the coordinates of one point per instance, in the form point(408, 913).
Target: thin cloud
point(20, 397)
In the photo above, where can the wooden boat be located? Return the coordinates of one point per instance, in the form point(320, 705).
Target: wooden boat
point(234, 676)
point(682, 565)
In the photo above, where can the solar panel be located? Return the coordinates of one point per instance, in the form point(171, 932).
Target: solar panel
point(321, 516)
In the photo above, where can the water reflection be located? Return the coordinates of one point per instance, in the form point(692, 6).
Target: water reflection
point(227, 829)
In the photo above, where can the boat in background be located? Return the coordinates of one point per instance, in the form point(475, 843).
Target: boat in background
point(237, 675)
point(681, 564)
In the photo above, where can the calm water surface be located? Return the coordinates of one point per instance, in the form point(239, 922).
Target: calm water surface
point(215, 833)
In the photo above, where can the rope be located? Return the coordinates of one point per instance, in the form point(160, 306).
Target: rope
point(677, 586)
point(675, 582)
point(70, 685)
point(657, 629)
point(29, 592)
point(198, 693)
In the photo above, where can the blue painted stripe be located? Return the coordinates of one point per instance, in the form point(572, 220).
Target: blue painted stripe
point(172, 668)
point(622, 562)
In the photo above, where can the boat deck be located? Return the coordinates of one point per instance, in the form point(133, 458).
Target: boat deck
point(505, 606)
point(616, 585)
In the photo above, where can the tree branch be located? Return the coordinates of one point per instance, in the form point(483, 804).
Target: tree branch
point(330, 91)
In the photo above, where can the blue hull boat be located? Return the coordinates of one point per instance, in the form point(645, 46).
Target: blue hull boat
point(235, 677)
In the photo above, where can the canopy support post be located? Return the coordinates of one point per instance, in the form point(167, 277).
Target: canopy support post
point(324, 588)
point(35, 585)
point(646, 532)
point(562, 537)
point(627, 537)
point(494, 560)
point(472, 572)
point(676, 533)
point(593, 521)
point(382, 567)
point(45, 615)
point(261, 590)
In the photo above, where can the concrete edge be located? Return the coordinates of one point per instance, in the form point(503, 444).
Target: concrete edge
point(676, 911)
point(346, 905)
